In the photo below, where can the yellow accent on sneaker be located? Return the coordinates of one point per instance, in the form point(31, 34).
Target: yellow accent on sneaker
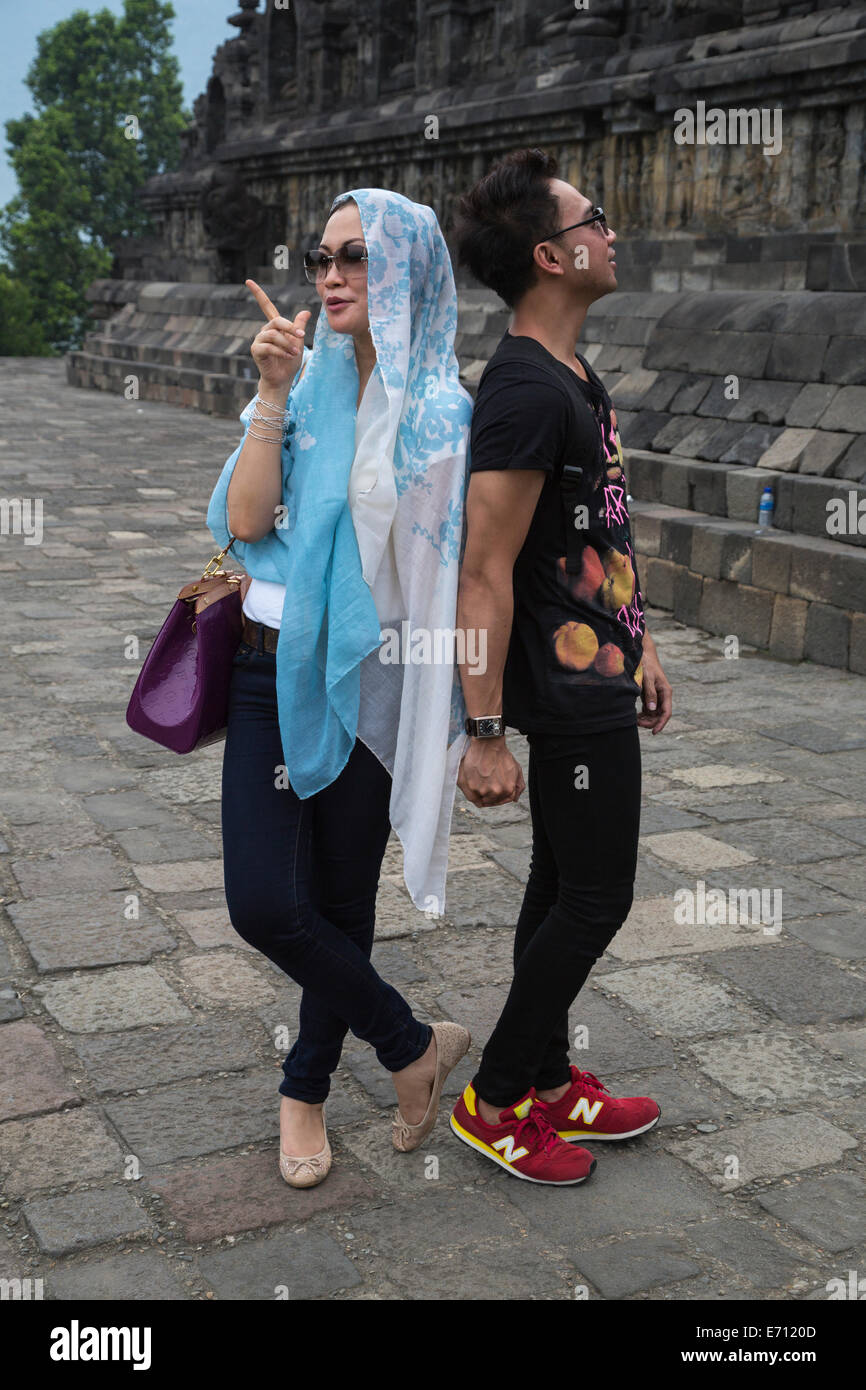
point(469, 1099)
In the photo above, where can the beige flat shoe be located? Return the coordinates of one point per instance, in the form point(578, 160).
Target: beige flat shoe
point(452, 1043)
point(307, 1172)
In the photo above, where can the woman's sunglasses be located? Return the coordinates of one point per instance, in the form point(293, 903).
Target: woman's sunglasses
point(350, 260)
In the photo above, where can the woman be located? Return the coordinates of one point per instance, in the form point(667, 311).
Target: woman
point(346, 496)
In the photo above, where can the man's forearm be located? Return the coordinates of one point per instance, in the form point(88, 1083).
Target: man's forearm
point(255, 487)
point(485, 604)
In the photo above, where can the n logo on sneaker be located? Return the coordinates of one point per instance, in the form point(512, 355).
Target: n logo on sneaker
point(507, 1149)
point(583, 1110)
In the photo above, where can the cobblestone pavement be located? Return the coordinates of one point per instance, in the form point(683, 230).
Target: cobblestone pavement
point(138, 1092)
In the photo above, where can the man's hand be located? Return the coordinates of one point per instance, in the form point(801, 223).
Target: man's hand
point(656, 694)
point(489, 774)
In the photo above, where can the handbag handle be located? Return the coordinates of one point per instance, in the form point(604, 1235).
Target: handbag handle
point(216, 560)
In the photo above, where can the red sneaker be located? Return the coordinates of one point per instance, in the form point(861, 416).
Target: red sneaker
point(524, 1143)
point(587, 1110)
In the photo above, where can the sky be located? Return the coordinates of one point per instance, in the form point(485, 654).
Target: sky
point(199, 26)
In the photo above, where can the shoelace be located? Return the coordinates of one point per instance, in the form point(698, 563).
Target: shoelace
point(590, 1082)
point(536, 1131)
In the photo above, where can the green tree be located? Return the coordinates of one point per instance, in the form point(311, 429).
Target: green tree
point(20, 330)
point(108, 115)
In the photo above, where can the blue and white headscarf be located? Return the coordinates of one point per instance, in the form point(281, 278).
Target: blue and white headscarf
point(372, 540)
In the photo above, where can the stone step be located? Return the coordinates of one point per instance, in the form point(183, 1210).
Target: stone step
point(217, 393)
point(831, 508)
point(798, 597)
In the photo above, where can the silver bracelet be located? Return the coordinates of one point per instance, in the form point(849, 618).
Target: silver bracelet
point(274, 424)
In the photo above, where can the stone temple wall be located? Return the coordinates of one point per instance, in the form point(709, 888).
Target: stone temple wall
point(313, 99)
point(731, 262)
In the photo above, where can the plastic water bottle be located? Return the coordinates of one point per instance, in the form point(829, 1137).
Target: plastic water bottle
point(765, 510)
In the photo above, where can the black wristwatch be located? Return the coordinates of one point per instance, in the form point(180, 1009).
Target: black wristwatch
point(488, 726)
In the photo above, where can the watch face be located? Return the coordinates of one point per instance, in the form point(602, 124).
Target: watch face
point(488, 726)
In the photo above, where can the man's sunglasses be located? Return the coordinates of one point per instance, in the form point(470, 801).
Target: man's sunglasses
point(349, 260)
point(597, 215)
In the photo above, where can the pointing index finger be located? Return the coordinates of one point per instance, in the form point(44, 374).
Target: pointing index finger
point(268, 308)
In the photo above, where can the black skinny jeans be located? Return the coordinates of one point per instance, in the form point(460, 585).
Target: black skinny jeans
point(300, 883)
point(579, 892)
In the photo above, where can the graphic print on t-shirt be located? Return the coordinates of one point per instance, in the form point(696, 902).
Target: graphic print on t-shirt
point(602, 584)
point(575, 651)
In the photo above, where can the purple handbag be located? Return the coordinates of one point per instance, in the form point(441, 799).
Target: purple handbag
point(181, 696)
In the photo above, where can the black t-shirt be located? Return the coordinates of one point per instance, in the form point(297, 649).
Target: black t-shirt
point(577, 635)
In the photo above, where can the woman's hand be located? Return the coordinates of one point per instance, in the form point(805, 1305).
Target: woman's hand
point(278, 349)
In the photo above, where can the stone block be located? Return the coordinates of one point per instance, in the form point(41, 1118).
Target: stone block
point(771, 562)
point(765, 1148)
point(127, 1061)
point(226, 979)
point(736, 560)
point(743, 488)
point(663, 390)
point(857, 654)
point(677, 428)
point(728, 608)
point(66, 873)
point(659, 579)
point(828, 571)
point(852, 464)
point(675, 491)
point(689, 395)
point(640, 430)
point(32, 1077)
point(846, 411)
point(142, 1276)
point(809, 404)
point(113, 1000)
point(708, 485)
point(77, 1220)
point(825, 452)
point(706, 552)
point(788, 630)
point(629, 1266)
point(828, 1211)
point(188, 1118)
point(307, 1263)
point(772, 1069)
point(677, 1000)
point(746, 1249)
point(644, 471)
point(49, 1151)
point(688, 588)
point(786, 452)
point(798, 986)
point(827, 635)
point(676, 540)
point(96, 932)
point(724, 438)
point(796, 356)
point(646, 530)
point(692, 444)
point(223, 1196)
point(630, 392)
point(752, 446)
point(844, 361)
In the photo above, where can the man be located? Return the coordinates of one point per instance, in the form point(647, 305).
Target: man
point(549, 571)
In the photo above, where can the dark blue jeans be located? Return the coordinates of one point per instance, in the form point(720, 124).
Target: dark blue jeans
point(300, 883)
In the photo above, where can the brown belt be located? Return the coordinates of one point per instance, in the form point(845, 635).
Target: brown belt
point(252, 633)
